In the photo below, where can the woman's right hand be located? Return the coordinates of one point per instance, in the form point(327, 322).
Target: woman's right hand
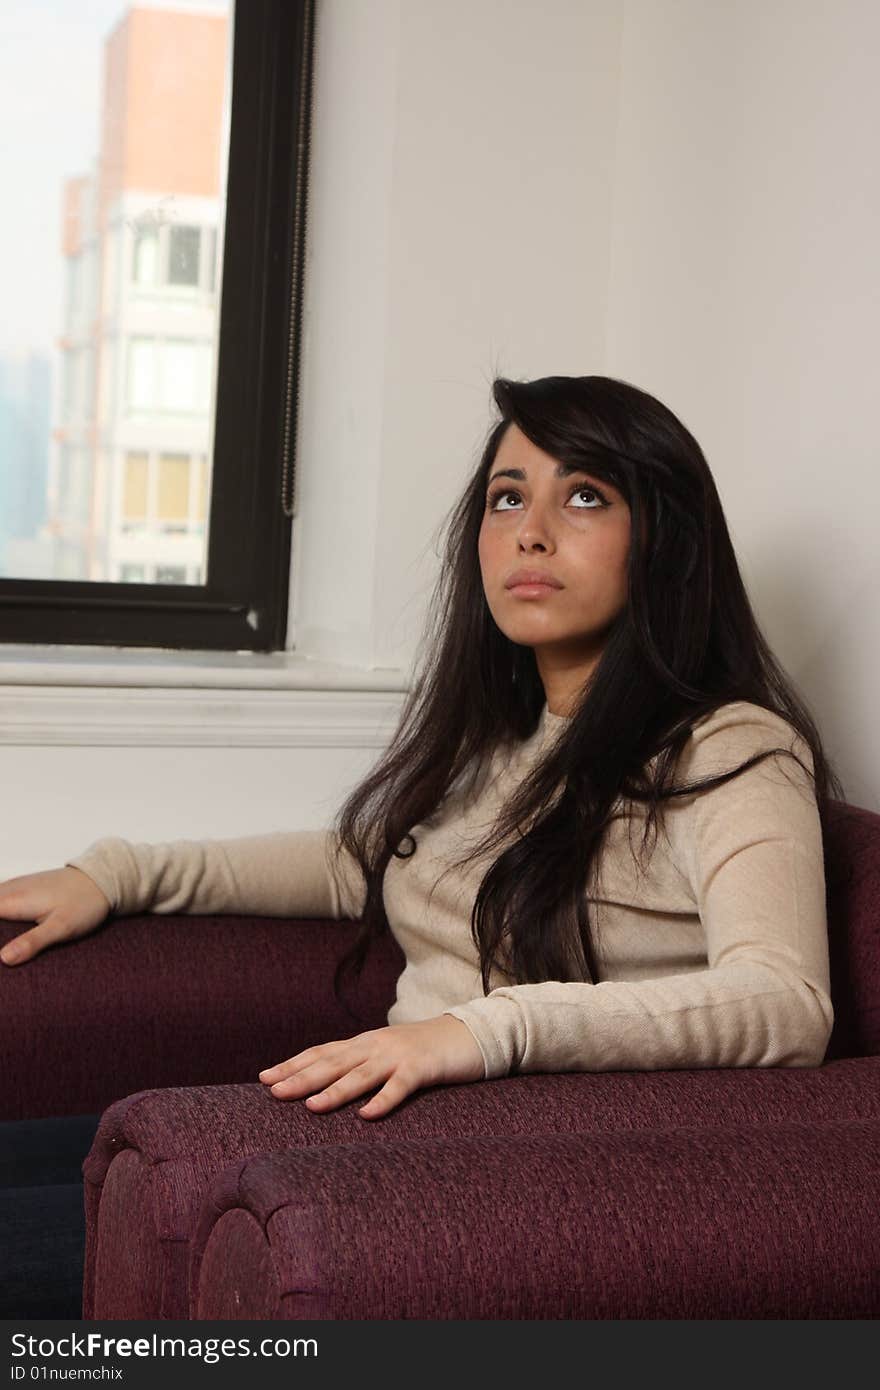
point(65, 904)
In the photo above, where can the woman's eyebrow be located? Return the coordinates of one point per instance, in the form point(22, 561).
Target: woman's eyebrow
point(563, 470)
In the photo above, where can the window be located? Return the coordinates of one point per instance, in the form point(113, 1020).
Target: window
point(146, 256)
point(171, 574)
point(135, 494)
point(173, 497)
point(202, 491)
point(180, 375)
point(168, 406)
point(183, 259)
point(163, 495)
point(169, 260)
point(211, 259)
point(141, 388)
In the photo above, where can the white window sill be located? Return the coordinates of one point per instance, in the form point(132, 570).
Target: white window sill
point(135, 696)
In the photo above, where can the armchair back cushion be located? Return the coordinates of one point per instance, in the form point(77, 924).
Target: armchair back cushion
point(851, 838)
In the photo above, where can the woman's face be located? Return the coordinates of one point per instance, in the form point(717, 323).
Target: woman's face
point(572, 529)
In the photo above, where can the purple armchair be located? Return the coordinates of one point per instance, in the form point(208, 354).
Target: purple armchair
point(711, 1193)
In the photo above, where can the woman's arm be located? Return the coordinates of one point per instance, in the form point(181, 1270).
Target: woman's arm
point(752, 851)
point(286, 873)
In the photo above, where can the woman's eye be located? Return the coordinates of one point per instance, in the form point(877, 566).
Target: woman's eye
point(497, 497)
point(598, 496)
point(506, 493)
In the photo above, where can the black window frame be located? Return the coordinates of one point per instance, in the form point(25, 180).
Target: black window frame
point(243, 604)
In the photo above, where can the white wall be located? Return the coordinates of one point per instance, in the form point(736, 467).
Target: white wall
point(744, 292)
point(458, 229)
point(668, 191)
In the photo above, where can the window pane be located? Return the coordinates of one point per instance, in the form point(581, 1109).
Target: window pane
point(111, 289)
point(170, 574)
point(146, 256)
point(183, 259)
point(141, 373)
point(173, 500)
point(135, 500)
point(179, 360)
point(202, 491)
point(211, 257)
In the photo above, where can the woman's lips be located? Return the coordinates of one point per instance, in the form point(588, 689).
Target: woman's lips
point(530, 576)
point(533, 590)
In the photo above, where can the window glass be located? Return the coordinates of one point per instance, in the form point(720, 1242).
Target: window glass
point(146, 256)
point(141, 373)
point(202, 490)
point(173, 495)
point(170, 574)
point(117, 117)
point(179, 364)
point(134, 504)
point(183, 257)
point(211, 258)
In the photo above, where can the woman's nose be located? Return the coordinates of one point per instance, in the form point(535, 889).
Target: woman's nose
point(536, 526)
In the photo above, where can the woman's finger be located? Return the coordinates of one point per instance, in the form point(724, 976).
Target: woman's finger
point(392, 1093)
point(54, 930)
point(301, 1060)
point(308, 1079)
point(353, 1083)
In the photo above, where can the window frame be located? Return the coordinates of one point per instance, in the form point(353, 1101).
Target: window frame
point(243, 604)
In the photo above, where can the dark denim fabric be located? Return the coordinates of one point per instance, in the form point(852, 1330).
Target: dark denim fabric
point(42, 1217)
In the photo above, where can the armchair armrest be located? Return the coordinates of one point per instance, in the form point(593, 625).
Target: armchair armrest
point(154, 1001)
point(157, 1153)
point(746, 1221)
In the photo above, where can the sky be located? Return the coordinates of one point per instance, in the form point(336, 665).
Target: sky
point(50, 94)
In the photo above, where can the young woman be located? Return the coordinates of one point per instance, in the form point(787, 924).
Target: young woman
point(593, 675)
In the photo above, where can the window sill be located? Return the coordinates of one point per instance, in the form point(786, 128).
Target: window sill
point(135, 696)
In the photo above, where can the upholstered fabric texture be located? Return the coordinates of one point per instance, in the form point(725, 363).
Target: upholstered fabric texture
point(157, 1155)
point(747, 1222)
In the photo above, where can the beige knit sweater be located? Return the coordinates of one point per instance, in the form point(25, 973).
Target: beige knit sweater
point(715, 956)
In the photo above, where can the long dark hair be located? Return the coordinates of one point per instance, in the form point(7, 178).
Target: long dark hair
point(685, 642)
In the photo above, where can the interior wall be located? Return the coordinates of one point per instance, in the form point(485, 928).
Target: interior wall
point(744, 292)
point(458, 230)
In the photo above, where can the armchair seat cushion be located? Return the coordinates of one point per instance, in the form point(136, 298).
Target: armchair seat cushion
point(157, 1154)
point(751, 1221)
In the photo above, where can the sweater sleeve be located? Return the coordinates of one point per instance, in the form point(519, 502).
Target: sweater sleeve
point(752, 851)
point(293, 873)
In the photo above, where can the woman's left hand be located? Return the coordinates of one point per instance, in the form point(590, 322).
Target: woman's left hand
point(406, 1056)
